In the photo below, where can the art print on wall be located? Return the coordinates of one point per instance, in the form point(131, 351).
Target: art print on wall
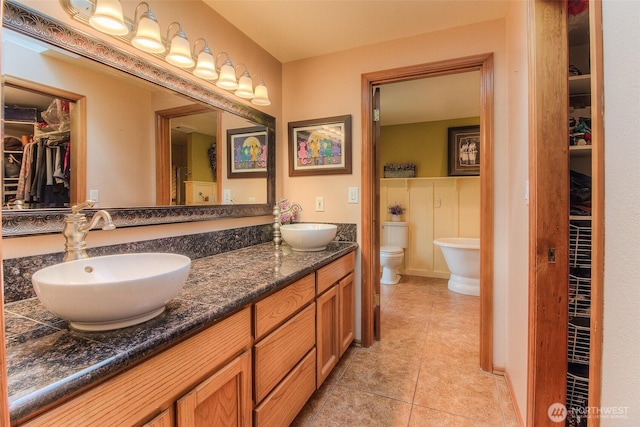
point(464, 151)
point(320, 146)
point(247, 152)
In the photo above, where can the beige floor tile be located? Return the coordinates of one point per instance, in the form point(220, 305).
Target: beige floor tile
point(426, 417)
point(382, 374)
point(428, 357)
point(400, 344)
point(452, 388)
point(349, 407)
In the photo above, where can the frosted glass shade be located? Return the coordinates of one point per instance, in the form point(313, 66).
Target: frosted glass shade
point(261, 95)
point(205, 67)
point(245, 87)
point(227, 78)
point(180, 53)
point(107, 18)
point(147, 36)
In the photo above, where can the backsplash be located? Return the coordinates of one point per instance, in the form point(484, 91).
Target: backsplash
point(17, 272)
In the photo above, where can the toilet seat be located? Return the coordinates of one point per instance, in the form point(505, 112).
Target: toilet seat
point(391, 250)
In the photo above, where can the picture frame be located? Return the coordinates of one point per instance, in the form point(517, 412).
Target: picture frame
point(247, 152)
point(320, 146)
point(464, 151)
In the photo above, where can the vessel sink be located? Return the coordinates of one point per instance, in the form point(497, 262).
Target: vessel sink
point(113, 291)
point(308, 236)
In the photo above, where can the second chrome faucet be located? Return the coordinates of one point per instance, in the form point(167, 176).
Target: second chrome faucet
point(77, 227)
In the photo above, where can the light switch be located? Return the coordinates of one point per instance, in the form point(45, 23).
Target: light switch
point(226, 197)
point(353, 195)
point(93, 195)
point(319, 204)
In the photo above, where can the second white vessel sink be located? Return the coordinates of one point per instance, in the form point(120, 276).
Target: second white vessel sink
point(308, 236)
point(113, 291)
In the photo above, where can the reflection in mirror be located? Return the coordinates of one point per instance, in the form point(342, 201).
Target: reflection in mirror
point(117, 146)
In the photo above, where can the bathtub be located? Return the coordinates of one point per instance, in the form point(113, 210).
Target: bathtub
point(462, 255)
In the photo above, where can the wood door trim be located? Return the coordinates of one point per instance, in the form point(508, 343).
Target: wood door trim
point(371, 188)
point(163, 148)
point(597, 207)
point(548, 209)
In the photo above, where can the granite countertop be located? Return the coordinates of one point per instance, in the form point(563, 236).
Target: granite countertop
point(47, 360)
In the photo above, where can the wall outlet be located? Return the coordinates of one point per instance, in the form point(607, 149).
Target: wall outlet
point(353, 195)
point(319, 204)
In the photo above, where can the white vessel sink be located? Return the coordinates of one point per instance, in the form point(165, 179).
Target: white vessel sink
point(308, 236)
point(111, 292)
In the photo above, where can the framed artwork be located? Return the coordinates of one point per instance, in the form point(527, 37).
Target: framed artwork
point(320, 146)
point(464, 150)
point(247, 152)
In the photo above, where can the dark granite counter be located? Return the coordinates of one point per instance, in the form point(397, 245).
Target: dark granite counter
point(47, 360)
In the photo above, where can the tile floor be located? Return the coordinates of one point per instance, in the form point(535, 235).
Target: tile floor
point(424, 371)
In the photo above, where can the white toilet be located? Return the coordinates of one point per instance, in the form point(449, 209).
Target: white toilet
point(393, 240)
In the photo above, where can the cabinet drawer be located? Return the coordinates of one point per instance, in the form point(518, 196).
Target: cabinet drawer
point(275, 309)
point(156, 382)
point(281, 350)
point(284, 403)
point(330, 274)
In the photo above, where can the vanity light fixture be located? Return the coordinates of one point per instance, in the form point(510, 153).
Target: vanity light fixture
point(245, 84)
point(147, 32)
point(144, 34)
point(205, 66)
point(227, 78)
point(107, 17)
point(179, 49)
point(261, 94)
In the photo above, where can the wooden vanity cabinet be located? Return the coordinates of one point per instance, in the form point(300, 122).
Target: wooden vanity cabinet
point(346, 312)
point(224, 399)
point(206, 364)
point(257, 367)
point(284, 352)
point(335, 317)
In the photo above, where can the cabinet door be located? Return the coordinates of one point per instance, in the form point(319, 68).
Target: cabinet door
point(224, 399)
point(347, 321)
point(327, 345)
point(165, 419)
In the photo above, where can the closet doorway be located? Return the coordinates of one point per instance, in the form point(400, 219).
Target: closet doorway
point(371, 191)
point(25, 96)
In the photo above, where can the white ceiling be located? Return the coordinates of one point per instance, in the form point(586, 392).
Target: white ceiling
point(291, 30)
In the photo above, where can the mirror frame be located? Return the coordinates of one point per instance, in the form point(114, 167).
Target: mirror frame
point(32, 23)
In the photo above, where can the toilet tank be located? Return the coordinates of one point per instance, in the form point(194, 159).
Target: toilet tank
point(394, 233)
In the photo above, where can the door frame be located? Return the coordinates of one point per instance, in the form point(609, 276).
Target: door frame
point(163, 148)
point(370, 217)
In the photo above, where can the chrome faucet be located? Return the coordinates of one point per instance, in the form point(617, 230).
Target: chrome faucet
point(77, 227)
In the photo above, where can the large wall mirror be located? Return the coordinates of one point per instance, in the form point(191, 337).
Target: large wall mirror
point(148, 144)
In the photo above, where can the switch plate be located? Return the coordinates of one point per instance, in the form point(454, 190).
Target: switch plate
point(93, 195)
point(226, 197)
point(353, 195)
point(319, 204)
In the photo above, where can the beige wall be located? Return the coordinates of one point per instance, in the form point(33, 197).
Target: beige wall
point(425, 144)
point(515, 250)
point(330, 86)
point(620, 373)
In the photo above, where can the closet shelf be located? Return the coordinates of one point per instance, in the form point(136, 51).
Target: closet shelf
point(580, 85)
